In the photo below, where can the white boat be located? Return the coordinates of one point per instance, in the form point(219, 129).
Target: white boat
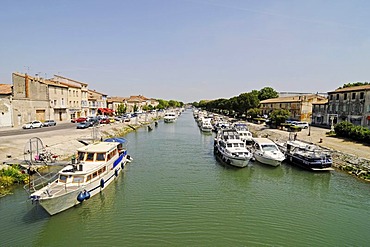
point(206, 125)
point(245, 134)
point(231, 149)
point(170, 117)
point(97, 166)
point(267, 152)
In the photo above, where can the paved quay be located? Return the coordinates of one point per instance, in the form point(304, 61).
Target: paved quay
point(64, 142)
point(313, 135)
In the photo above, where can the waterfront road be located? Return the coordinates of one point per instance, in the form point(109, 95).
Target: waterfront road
point(19, 131)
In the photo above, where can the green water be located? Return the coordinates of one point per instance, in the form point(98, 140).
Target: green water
point(175, 193)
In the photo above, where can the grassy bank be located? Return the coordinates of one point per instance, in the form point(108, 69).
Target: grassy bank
point(10, 176)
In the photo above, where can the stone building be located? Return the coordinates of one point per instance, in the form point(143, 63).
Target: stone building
point(78, 90)
point(97, 103)
point(30, 99)
point(58, 96)
point(300, 107)
point(320, 113)
point(138, 102)
point(114, 102)
point(350, 104)
point(6, 111)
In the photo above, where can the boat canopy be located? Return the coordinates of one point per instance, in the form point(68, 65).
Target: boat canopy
point(116, 139)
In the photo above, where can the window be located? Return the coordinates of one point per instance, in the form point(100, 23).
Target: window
point(353, 95)
point(345, 96)
point(90, 157)
point(331, 97)
point(78, 179)
point(95, 174)
point(88, 178)
point(362, 95)
point(337, 96)
point(344, 107)
point(63, 178)
point(81, 156)
point(100, 156)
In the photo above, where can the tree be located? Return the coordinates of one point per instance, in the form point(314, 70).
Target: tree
point(136, 108)
point(253, 112)
point(267, 93)
point(279, 116)
point(121, 109)
point(354, 84)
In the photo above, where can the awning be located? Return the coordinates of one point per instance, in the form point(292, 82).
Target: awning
point(368, 118)
point(105, 110)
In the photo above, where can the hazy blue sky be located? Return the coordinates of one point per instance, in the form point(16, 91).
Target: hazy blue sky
point(188, 50)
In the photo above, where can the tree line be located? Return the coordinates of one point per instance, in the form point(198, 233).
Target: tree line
point(245, 104)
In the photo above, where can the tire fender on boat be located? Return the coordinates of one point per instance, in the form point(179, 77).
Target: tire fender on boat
point(116, 173)
point(81, 197)
point(87, 195)
point(122, 165)
point(102, 183)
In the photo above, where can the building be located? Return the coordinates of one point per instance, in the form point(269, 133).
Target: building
point(98, 103)
point(300, 107)
point(137, 102)
point(320, 113)
point(30, 99)
point(58, 96)
point(6, 91)
point(350, 104)
point(81, 92)
point(115, 102)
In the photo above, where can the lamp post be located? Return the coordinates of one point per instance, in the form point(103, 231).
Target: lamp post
point(309, 130)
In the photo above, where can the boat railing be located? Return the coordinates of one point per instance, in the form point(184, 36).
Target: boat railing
point(39, 182)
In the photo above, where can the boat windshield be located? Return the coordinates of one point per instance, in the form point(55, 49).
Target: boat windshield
point(269, 147)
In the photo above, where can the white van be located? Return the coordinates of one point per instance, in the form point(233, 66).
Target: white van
point(303, 125)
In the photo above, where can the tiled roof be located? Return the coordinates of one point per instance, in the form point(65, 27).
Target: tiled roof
point(291, 99)
point(349, 89)
point(68, 79)
point(95, 92)
point(5, 89)
point(137, 98)
point(116, 99)
point(323, 102)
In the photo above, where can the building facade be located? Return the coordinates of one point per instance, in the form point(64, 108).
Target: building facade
point(6, 111)
point(320, 113)
point(350, 104)
point(300, 107)
point(30, 99)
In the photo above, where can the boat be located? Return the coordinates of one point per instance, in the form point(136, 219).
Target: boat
point(206, 125)
point(170, 117)
point(267, 152)
point(229, 148)
point(96, 166)
point(245, 134)
point(307, 155)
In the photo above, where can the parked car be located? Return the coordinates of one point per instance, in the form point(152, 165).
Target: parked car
point(49, 122)
point(104, 121)
point(79, 120)
point(83, 125)
point(33, 124)
point(303, 125)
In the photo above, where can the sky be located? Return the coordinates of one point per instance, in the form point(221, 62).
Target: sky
point(188, 50)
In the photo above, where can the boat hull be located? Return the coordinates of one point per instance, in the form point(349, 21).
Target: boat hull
point(268, 160)
point(233, 161)
point(316, 165)
point(63, 200)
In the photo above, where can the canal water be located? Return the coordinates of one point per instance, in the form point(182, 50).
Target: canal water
point(175, 193)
